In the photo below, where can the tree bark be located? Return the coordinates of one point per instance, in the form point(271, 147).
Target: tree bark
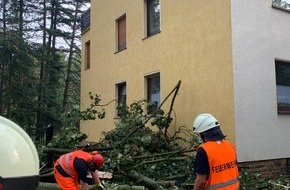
point(151, 116)
point(41, 93)
point(176, 89)
point(70, 62)
point(149, 183)
point(21, 22)
point(2, 64)
point(54, 186)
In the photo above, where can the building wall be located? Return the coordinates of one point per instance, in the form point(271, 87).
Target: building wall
point(260, 34)
point(194, 46)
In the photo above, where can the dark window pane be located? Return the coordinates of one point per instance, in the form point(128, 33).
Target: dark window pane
point(88, 56)
point(283, 86)
point(86, 20)
point(153, 93)
point(153, 17)
point(121, 99)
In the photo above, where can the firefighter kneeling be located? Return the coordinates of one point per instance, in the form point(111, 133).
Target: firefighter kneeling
point(72, 168)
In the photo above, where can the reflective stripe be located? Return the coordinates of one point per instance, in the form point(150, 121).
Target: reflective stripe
point(223, 184)
point(65, 165)
point(60, 161)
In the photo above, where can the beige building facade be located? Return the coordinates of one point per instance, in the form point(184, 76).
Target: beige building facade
point(196, 42)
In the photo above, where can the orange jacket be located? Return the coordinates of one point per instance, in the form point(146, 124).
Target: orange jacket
point(222, 158)
point(66, 161)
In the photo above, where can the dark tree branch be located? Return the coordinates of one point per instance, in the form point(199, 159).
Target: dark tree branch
point(151, 116)
point(171, 108)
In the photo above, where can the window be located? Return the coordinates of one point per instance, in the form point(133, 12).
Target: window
point(122, 106)
point(281, 4)
point(88, 56)
point(153, 17)
point(153, 92)
point(121, 33)
point(86, 20)
point(283, 86)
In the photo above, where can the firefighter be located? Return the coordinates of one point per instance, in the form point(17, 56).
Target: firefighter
point(71, 169)
point(216, 160)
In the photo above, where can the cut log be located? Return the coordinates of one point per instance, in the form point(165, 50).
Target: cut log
point(54, 186)
point(127, 187)
point(103, 175)
point(149, 183)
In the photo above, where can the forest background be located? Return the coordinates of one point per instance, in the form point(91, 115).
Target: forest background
point(40, 60)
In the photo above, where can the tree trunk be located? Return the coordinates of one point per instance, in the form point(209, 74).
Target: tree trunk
point(54, 186)
point(4, 15)
point(21, 5)
point(3, 60)
point(9, 97)
point(42, 74)
point(22, 105)
point(69, 66)
point(149, 183)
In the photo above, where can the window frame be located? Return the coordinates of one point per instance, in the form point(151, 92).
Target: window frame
point(149, 91)
point(151, 31)
point(281, 108)
point(87, 55)
point(121, 35)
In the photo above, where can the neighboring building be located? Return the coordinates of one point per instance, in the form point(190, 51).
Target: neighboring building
point(233, 58)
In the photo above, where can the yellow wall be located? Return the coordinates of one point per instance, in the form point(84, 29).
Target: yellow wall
point(194, 46)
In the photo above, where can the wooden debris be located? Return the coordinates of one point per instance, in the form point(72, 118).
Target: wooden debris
point(103, 175)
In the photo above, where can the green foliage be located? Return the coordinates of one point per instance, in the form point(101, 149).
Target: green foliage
point(255, 181)
point(133, 116)
point(69, 136)
point(146, 151)
point(18, 79)
point(281, 183)
point(92, 113)
point(40, 79)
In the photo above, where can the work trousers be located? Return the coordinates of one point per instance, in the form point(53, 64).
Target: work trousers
point(65, 182)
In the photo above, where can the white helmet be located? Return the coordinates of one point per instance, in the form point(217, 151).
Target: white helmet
point(204, 122)
point(19, 160)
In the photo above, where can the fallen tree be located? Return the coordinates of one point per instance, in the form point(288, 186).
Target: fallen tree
point(138, 155)
point(148, 182)
point(54, 186)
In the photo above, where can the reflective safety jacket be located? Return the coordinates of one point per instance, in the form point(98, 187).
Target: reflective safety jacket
point(222, 158)
point(66, 161)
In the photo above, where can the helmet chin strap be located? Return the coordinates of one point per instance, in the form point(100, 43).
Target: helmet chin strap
point(202, 137)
